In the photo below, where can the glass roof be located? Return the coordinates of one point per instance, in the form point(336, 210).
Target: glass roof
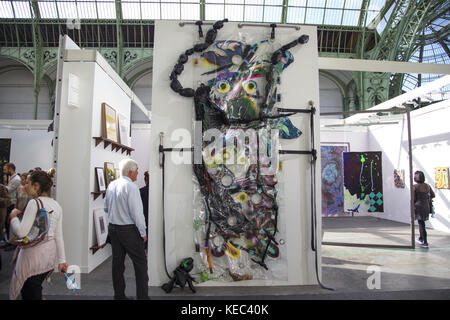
point(432, 53)
point(432, 50)
point(316, 12)
point(347, 13)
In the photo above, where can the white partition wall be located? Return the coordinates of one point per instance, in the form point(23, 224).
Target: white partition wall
point(430, 149)
point(29, 142)
point(173, 114)
point(78, 120)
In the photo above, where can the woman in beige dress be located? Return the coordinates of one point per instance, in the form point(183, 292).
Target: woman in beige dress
point(34, 264)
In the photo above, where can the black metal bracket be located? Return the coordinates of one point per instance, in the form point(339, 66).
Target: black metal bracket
point(162, 149)
point(200, 31)
point(312, 110)
point(272, 34)
point(312, 152)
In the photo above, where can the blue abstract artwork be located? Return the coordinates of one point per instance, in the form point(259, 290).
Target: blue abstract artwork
point(332, 180)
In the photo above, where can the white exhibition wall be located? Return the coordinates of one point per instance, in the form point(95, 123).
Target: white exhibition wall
point(76, 153)
point(29, 148)
point(430, 149)
point(140, 140)
point(171, 112)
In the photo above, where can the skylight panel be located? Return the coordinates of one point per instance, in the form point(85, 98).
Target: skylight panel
point(131, 9)
point(150, 10)
point(350, 18)
point(22, 9)
point(87, 10)
point(67, 9)
point(253, 13)
point(190, 10)
point(6, 10)
point(106, 9)
point(333, 16)
point(297, 3)
point(314, 16)
point(214, 10)
point(353, 4)
point(48, 10)
point(295, 15)
point(335, 4)
point(272, 14)
point(233, 11)
point(316, 3)
point(170, 11)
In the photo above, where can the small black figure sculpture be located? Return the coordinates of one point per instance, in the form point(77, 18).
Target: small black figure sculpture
point(181, 276)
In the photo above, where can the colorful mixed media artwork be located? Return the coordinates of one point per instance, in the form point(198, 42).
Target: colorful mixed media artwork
point(237, 226)
point(441, 178)
point(363, 182)
point(332, 180)
point(399, 178)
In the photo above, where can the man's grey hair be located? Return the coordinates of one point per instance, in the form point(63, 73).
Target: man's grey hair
point(127, 165)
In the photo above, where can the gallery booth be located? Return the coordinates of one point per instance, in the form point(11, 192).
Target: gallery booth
point(341, 166)
point(368, 164)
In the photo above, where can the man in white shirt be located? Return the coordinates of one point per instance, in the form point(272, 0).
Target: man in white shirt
point(126, 230)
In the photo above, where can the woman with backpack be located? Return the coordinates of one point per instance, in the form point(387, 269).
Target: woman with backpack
point(35, 263)
point(422, 205)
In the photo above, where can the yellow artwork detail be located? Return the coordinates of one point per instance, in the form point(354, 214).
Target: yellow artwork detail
point(441, 178)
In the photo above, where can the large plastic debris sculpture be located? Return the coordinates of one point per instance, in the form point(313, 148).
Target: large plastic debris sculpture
point(236, 222)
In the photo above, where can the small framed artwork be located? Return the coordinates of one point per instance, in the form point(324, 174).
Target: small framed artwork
point(441, 179)
point(109, 122)
point(399, 178)
point(100, 175)
point(101, 226)
point(124, 134)
point(110, 173)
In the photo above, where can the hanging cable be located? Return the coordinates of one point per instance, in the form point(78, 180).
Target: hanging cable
point(162, 160)
point(313, 199)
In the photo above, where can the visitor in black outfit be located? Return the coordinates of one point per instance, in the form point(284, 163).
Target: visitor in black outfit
point(422, 200)
point(144, 197)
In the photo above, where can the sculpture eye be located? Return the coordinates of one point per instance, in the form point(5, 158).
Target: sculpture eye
point(223, 86)
point(251, 87)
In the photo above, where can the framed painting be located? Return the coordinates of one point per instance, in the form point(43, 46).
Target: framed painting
point(124, 134)
point(101, 226)
point(363, 182)
point(399, 178)
point(109, 122)
point(110, 173)
point(100, 175)
point(441, 178)
point(332, 179)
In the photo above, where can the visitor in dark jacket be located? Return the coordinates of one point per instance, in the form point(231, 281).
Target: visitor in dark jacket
point(422, 208)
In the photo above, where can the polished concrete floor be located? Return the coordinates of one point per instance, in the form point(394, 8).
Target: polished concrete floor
point(403, 273)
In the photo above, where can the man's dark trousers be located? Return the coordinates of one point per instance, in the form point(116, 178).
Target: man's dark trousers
point(126, 239)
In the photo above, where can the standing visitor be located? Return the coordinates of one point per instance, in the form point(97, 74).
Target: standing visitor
point(34, 264)
point(422, 205)
point(126, 230)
